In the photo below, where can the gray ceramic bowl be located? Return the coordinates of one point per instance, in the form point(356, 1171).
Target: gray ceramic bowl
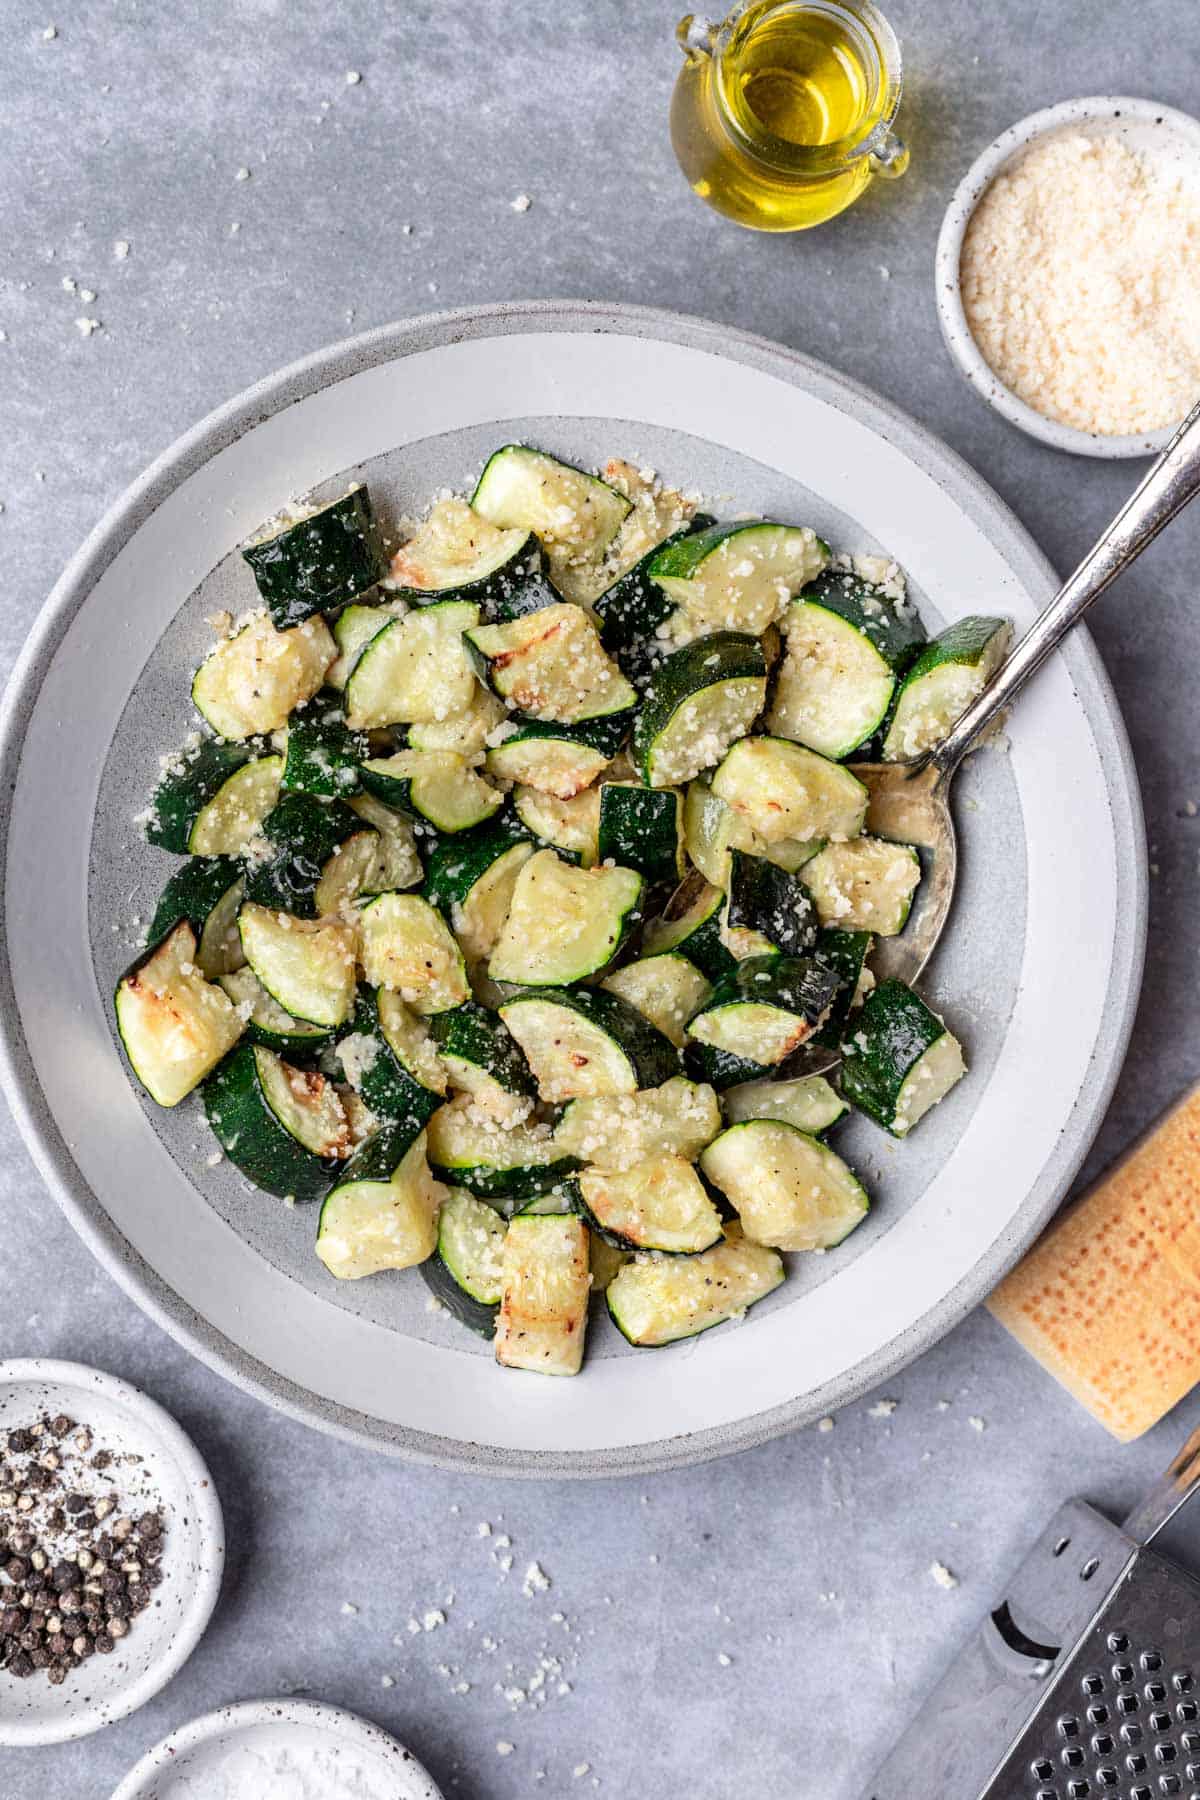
point(1143, 125)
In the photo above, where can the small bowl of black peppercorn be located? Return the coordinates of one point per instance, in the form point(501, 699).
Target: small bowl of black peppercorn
point(111, 1550)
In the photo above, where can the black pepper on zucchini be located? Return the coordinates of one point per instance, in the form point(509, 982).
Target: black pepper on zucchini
point(484, 1060)
point(738, 576)
point(545, 1282)
point(499, 1162)
point(456, 551)
point(586, 1041)
point(556, 759)
point(564, 923)
point(791, 1191)
point(657, 1300)
point(659, 1205)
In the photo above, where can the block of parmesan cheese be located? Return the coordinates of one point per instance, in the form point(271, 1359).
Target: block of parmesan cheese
point(1109, 1299)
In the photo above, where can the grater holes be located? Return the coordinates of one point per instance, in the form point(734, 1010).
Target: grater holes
point(1063, 1543)
point(1094, 1684)
point(1187, 1711)
point(1098, 1715)
point(1041, 1769)
point(1102, 1744)
point(1046, 1794)
point(1151, 1661)
point(1131, 1733)
point(1170, 1784)
point(1123, 1673)
point(1161, 1721)
point(1140, 1793)
point(1089, 1568)
point(1107, 1777)
point(1118, 1642)
point(1156, 1691)
point(1136, 1764)
point(1068, 1726)
point(1127, 1703)
point(1190, 1741)
point(1073, 1757)
point(1182, 1681)
point(1165, 1753)
point(1078, 1790)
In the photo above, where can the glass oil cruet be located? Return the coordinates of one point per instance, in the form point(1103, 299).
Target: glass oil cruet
point(783, 114)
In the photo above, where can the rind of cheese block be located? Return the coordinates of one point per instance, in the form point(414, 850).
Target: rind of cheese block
point(1109, 1299)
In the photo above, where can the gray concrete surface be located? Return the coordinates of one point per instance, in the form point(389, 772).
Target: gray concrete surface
point(805, 1564)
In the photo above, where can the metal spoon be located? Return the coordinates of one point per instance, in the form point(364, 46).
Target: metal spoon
point(910, 801)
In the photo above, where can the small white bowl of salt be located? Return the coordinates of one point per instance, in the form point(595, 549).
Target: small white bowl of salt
point(1067, 271)
point(279, 1750)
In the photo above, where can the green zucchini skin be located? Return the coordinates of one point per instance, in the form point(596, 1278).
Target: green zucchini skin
point(894, 1030)
point(967, 641)
point(476, 1315)
point(701, 942)
point(298, 1046)
point(527, 591)
point(653, 1057)
point(898, 636)
point(686, 673)
point(323, 753)
point(721, 1068)
point(305, 832)
point(455, 864)
point(642, 829)
point(319, 563)
point(192, 893)
point(635, 606)
point(251, 1136)
point(187, 788)
point(387, 1087)
point(476, 1035)
point(604, 734)
point(764, 898)
point(844, 952)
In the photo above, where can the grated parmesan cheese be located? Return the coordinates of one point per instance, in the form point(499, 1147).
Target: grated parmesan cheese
point(1078, 280)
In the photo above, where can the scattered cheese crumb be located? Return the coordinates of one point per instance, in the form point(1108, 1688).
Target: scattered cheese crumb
point(521, 204)
point(580, 1770)
point(976, 1423)
point(504, 1748)
point(944, 1577)
point(68, 284)
point(121, 249)
point(883, 1409)
point(87, 295)
point(536, 1580)
point(387, 1681)
point(825, 1424)
point(85, 327)
point(724, 1660)
point(50, 33)
point(243, 174)
point(353, 77)
point(349, 1609)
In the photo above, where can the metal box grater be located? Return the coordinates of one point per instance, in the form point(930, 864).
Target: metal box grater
point(1083, 1684)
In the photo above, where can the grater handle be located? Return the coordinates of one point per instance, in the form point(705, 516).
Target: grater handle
point(1171, 1491)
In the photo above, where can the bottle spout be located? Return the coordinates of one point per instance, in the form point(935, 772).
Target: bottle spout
point(696, 36)
point(888, 155)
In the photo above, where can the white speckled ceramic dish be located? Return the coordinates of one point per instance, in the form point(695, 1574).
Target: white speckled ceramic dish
point(157, 1464)
point(1038, 973)
point(1144, 126)
point(246, 1741)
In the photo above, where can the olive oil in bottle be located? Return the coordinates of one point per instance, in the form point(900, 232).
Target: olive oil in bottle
point(781, 116)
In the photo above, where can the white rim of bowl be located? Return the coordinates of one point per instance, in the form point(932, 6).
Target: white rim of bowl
point(952, 318)
point(210, 1533)
point(348, 1726)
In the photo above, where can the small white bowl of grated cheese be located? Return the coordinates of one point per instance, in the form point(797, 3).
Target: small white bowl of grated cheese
point(1066, 274)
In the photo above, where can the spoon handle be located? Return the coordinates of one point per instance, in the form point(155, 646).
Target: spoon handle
point(1171, 482)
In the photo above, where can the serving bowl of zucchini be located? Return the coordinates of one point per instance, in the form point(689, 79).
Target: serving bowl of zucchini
point(471, 977)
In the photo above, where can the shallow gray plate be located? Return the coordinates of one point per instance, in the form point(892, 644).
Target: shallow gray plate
point(1039, 973)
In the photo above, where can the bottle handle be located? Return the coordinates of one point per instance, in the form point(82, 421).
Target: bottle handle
point(888, 155)
point(696, 36)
